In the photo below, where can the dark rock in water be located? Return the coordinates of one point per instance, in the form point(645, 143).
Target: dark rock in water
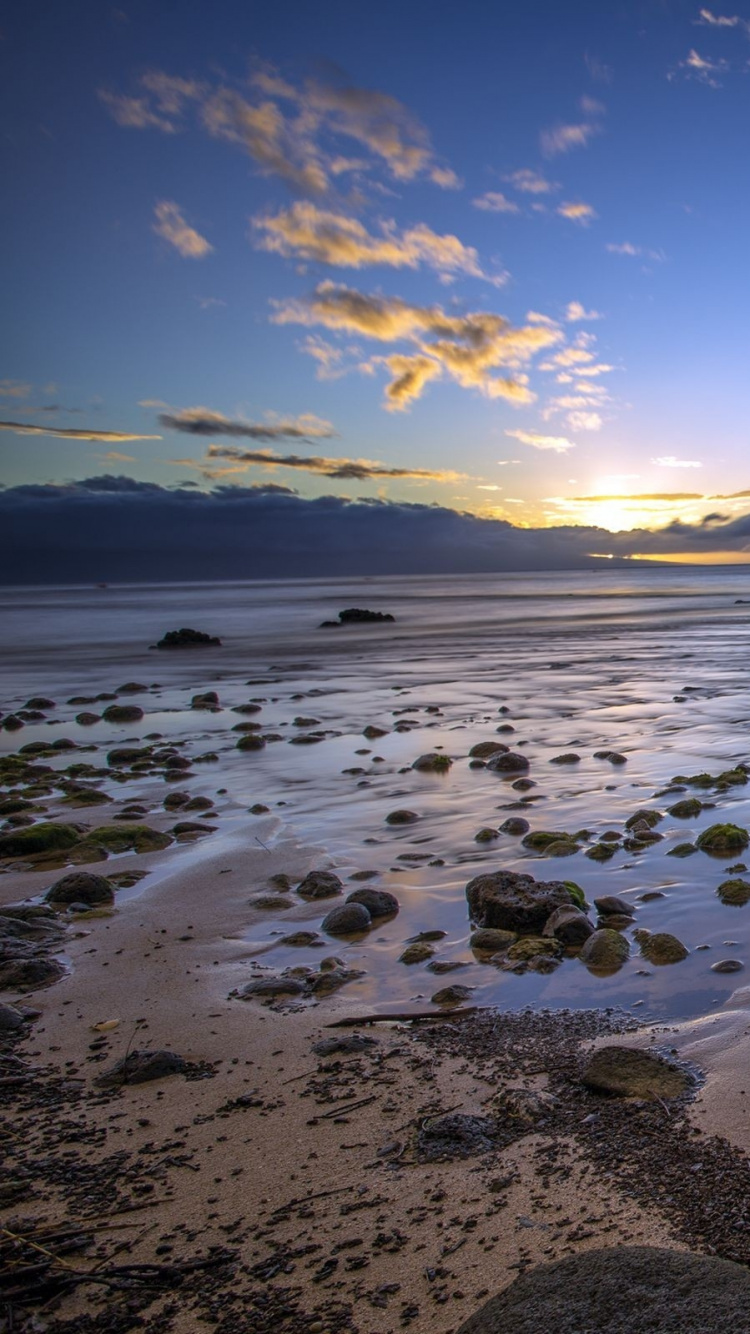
point(686, 810)
point(490, 940)
point(643, 818)
point(43, 837)
point(432, 763)
point(510, 762)
point(207, 700)
point(27, 974)
point(455, 1136)
point(613, 756)
point(251, 741)
point(132, 688)
point(332, 979)
point(12, 723)
point(345, 1046)
point(88, 719)
point(621, 1290)
point(39, 702)
point(451, 995)
point(128, 755)
point(485, 749)
point(601, 852)
point(320, 885)
point(347, 919)
point(682, 850)
point(300, 939)
point(569, 925)
point(269, 988)
point(734, 892)
point(486, 835)
point(11, 1019)
point(723, 839)
point(418, 952)
point(609, 903)
point(659, 947)
point(123, 713)
point(569, 757)
point(401, 817)
point(628, 1072)
point(515, 902)
point(372, 733)
point(378, 902)
point(605, 952)
point(81, 887)
point(186, 638)
point(357, 616)
point(727, 966)
point(515, 825)
point(138, 1067)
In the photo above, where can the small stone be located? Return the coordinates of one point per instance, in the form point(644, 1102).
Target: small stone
point(401, 817)
point(417, 953)
point(515, 825)
point(378, 902)
point(727, 966)
point(123, 713)
point(348, 919)
point(660, 948)
point(605, 951)
point(452, 995)
point(320, 885)
point(509, 763)
point(609, 903)
point(490, 940)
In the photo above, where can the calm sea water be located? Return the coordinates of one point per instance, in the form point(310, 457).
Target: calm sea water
point(651, 663)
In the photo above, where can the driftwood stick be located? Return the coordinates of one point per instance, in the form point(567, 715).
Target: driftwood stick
point(406, 1016)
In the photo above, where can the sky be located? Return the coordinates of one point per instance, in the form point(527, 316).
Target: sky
point(484, 258)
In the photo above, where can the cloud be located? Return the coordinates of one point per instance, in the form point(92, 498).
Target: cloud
point(171, 225)
point(290, 131)
point(411, 374)
point(343, 469)
point(207, 302)
point(14, 389)
point(563, 138)
point(305, 231)
point(531, 182)
point(469, 347)
point(704, 69)
point(114, 456)
point(627, 248)
point(584, 421)
point(577, 212)
point(722, 20)
point(669, 461)
point(574, 311)
point(557, 443)
point(204, 422)
point(646, 496)
point(495, 202)
point(26, 428)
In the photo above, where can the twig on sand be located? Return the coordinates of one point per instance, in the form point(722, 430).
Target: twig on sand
point(344, 1109)
point(406, 1016)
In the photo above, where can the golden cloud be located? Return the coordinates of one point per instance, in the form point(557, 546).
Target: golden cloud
point(583, 214)
point(531, 182)
point(495, 202)
point(559, 444)
point(203, 421)
point(343, 469)
point(171, 225)
point(81, 433)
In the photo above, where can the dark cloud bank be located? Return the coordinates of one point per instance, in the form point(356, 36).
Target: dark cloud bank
point(117, 529)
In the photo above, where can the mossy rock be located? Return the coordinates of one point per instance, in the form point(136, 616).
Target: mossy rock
point(530, 947)
point(123, 713)
point(722, 839)
point(90, 797)
point(644, 817)
point(251, 741)
point(432, 763)
point(605, 951)
point(538, 840)
point(486, 835)
point(484, 750)
point(127, 838)
point(562, 847)
point(660, 947)
point(43, 837)
point(732, 778)
point(81, 887)
point(682, 850)
point(491, 940)
point(694, 780)
point(735, 893)
point(686, 810)
point(417, 953)
point(576, 894)
point(601, 852)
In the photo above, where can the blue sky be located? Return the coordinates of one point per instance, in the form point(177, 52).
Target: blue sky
point(492, 256)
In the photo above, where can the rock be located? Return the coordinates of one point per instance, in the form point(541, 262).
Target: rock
point(268, 988)
point(378, 902)
point(43, 837)
point(300, 939)
point(320, 885)
point(251, 741)
point(510, 762)
point(485, 749)
point(659, 947)
point(514, 902)
point(569, 925)
point(123, 713)
point(727, 966)
point(609, 904)
point(27, 974)
point(40, 702)
point(686, 810)
point(128, 755)
point(451, 995)
point(372, 733)
point(347, 919)
point(525, 1107)
point(643, 817)
point(455, 1135)
point(401, 817)
point(416, 953)
point(81, 887)
point(358, 616)
point(187, 638)
point(12, 723)
point(208, 700)
point(345, 1046)
point(127, 838)
point(486, 835)
point(613, 756)
point(628, 1072)
point(270, 903)
point(529, 947)
point(723, 839)
point(325, 983)
point(11, 1019)
point(682, 850)
point(620, 1290)
point(605, 951)
point(132, 688)
point(540, 839)
point(515, 825)
point(139, 1067)
point(432, 763)
point(734, 892)
point(569, 757)
point(252, 708)
point(489, 940)
point(601, 852)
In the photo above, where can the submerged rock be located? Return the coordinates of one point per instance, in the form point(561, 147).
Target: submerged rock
point(320, 885)
point(605, 951)
point(628, 1072)
point(357, 616)
point(347, 919)
point(378, 902)
point(723, 839)
point(186, 638)
point(659, 947)
point(515, 902)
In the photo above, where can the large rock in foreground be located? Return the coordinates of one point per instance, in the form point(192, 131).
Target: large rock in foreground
point(621, 1290)
point(628, 1072)
point(515, 902)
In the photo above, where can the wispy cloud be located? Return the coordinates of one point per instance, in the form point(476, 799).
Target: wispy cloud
point(532, 182)
point(563, 138)
point(14, 389)
point(633, 251)
point(171, 225)
point(583, 214)
point(669, 461)
point(114, 456)
point(712, 20)
point(343, 469)
point(704, 69)
point(469, 348)
point(575, 311)
point(205, 422)
point(494, 201)
point(584, 421)
point(559, 444)
point(81, 433)
point(305, 231)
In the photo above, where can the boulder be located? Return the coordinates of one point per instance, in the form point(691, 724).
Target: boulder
point(81, 887)
point(43, 837)
point(620, 1290)
point(515, 825)
point(186, 638)
point(735, 892)
point(320, 885)
point(723, 839)
point(659, 947)
point(139, 1067)
point(509, 762)
point(628, 1072)
point(347, 919)
point(123, 713)
point(432, 763)
point(378, 902)
point(484, 750)
point(569, 925)
point(514, 902)
point(605, 951)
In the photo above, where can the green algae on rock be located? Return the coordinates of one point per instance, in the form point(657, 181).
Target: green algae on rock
point(686, 810)
point(720, 839)
point(605, 951)
point(44, 837)
point(126, 838)
point(735, 893)
point(660, 947)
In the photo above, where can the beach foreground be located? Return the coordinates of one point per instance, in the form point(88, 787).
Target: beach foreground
point(279, 1184)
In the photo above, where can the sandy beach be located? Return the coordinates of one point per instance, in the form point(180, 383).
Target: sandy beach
point(399, 1178)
